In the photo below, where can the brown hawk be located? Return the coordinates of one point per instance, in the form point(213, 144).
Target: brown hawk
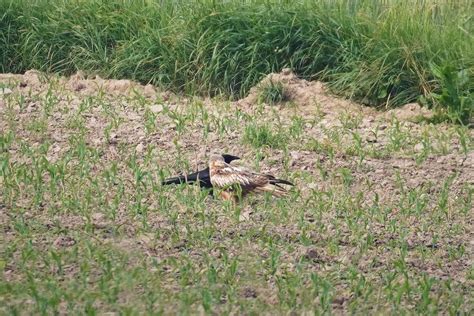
point(231, 179)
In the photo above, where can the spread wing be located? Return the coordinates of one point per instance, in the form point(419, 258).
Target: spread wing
point(229, 175)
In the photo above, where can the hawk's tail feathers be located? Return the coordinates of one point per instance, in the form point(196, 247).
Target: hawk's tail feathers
point(275, 190)
point(280, 181)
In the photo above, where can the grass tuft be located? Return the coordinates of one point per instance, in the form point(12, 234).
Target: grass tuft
point(272, 93)
point(261, 135)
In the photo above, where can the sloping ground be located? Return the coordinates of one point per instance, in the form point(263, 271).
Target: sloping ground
point(380, 219)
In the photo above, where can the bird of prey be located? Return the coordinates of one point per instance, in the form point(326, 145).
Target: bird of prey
point(231, 179)
point(201, 176)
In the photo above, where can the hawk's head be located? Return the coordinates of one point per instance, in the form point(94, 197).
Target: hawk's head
point(216, 161)
point(216, 158)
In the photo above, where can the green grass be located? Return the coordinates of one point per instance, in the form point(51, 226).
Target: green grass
point(380, 53)
point(264, 136)
point(272, 93)
point(372, 227)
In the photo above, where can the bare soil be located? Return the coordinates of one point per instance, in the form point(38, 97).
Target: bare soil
point(397, 161)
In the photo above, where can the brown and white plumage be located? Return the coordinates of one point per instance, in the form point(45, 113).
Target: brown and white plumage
point(226, 177)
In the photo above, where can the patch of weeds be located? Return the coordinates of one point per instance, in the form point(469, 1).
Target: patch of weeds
point(39, 125)
point(139, 98)
point(179, 119)
point(453, 94)
point(297, 127)
point(86, 105)
point(223, 125)
point(350, 121)
point(150, 121)
point(76, 122)
point(323, 290)
point(50, 101)
point(262, 135)
point(399, 137)
point(322, 147)
point(334, 135)
point(272, 93)
point(10, 84)
point(346, 176)
point(464, 140)
point(470, 273)
point(443, 200)
point(6, 140)
point(357, 149)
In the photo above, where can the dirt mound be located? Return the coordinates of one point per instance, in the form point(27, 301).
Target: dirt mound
point(409, 112)
point(313, 96)
point(78, 83)
point(299, 91)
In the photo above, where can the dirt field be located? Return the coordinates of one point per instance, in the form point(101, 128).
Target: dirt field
point(381, 218)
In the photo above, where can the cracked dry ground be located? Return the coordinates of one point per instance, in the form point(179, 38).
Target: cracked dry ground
point(380, 218)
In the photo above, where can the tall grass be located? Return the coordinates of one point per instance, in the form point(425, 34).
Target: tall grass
point(378, 52)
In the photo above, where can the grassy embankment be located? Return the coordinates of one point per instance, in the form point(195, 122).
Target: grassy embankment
point(380, 54)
